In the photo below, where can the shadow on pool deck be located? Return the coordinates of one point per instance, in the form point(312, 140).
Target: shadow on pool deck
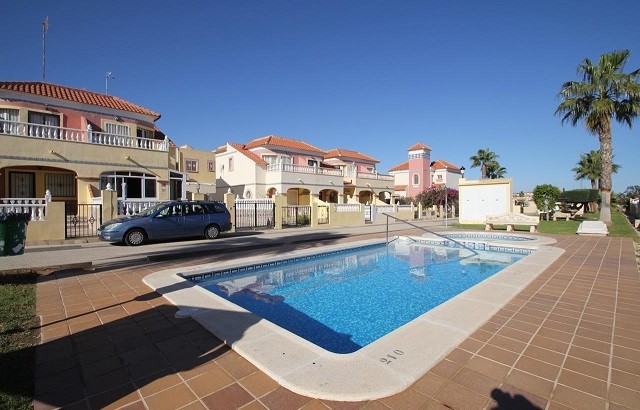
point(569, 339)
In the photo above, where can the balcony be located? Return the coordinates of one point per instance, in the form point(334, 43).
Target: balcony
point(48, 132)
point(303, 169)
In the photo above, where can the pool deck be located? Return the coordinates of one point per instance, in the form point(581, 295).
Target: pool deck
point(569, 339)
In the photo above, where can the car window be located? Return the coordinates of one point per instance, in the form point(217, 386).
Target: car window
point(172, 210)
point(196, 209)
point(218, 209)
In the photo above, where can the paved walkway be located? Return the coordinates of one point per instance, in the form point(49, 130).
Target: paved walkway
point(571, 339)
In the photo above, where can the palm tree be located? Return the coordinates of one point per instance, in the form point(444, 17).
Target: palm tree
point(482, 159)
point(590, 167)
point(495, 171)
point(605, 93)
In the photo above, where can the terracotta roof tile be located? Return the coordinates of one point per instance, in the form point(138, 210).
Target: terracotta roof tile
point(418, 146)
point(75, 95)
point(243, 150)
point(400, 187)
point(277, 141)
point(440, 164)
point(345, 153)
point(401, 167)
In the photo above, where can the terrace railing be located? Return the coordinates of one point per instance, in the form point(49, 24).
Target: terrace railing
point(134, 206)
point(303, 169)
point(36, 207)
point(89, 136)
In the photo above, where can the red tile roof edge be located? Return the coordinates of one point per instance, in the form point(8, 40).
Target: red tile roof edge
point(244, 151)
point(341, 152)
point(279, 141)
point(400, 167)
point(418, 146)
point(75, 95)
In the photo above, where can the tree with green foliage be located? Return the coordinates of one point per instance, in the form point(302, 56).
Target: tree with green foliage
point(545, 197)
point(590, 167)
point(495, 171)
point(605, 93)
point(482, 160)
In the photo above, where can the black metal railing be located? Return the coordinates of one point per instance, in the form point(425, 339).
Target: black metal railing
point(296, 215)
point(82, 220)
point(254, 214)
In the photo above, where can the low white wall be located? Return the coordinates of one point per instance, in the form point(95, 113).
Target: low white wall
point(479, 198)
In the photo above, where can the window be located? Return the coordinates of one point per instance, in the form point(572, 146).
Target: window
point(116, 129)
point(44, 119)
point(60, 185)
point(270, 159)
point(439, 177)
point(8, 115)
point(137, 184)
point(211, 165)
point(230, 164)
point(416, 180)
point(191, 165)
point(144, 133)
point(312, 162)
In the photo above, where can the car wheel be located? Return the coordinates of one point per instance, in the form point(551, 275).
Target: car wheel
point(212, 232)
point(135, 237)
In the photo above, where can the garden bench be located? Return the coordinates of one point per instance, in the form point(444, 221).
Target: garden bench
point(511, 219)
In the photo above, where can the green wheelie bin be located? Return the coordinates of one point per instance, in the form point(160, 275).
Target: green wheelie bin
point(13, 233)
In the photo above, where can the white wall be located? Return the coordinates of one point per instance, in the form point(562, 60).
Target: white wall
point(479, 198)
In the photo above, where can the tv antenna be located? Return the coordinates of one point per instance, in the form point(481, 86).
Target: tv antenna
point(107, 76)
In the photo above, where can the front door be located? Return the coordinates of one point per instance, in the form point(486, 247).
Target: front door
point(22, 185)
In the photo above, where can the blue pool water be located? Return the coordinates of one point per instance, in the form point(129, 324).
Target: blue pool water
point(345, 300)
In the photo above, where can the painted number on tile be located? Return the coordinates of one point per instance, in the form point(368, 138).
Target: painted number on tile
point(391, 357)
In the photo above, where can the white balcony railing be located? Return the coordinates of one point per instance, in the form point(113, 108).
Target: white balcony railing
point(347, 207)
point(36, 207)
point(134, 206)
point(371, 175)
point(89, 136)
point(303, 169)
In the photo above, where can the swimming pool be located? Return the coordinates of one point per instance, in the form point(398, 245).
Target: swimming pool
point(344, 300)
point(383, 367)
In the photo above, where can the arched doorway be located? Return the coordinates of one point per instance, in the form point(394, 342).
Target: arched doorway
point(298, 196)
point(329, 195)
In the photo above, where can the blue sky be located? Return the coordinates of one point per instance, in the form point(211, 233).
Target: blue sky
point(372, 76)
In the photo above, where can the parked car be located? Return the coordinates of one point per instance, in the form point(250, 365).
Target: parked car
point(168, 220)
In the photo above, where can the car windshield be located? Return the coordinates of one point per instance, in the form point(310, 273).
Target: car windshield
point(151, 210)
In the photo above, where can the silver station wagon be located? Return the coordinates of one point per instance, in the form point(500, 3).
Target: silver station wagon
point(168, 220)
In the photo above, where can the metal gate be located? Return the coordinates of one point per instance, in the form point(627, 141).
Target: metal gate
point(368, 213)
point(255, 213)
point(82, 220)
point(296, 215)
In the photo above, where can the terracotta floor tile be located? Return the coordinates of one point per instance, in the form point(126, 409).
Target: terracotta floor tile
point(499, 355)
point(587, 368)
point(488, 367)
point(577, 399)
point(115, 398)
point(458, 356)
point(409, 399)
point(628, 380)
point(157, 382)
point(528, 382)
point(511, 397)
point(545, 355)
point(457, 397)
point(625, 397)
point(209, 382)
point(583, 382)
point(284, 399)
point(476, 382)
point(629, 366)
point(589, 355)
point(550, 344)
point(538, 368)
point(258, 384)
point(445, 369)
point(171, 398)
point(236, 365)
point(508, 344)
point(429, 384)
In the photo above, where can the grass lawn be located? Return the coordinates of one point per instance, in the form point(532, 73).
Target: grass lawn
point(18, 337)
point(620, 227)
